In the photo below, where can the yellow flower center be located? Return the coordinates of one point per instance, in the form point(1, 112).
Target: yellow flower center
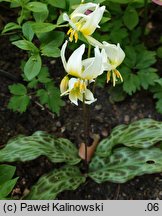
point(80, 86)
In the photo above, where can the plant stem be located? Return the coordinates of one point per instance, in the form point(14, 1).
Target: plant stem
point(60, 26)
point(89, 50)
point(86, 131)
point(86, 120)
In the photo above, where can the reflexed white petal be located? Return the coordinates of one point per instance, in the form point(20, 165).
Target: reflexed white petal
point(64, 84)
point(106, 64)
point(74, 64)
point(92, 21)
point(80, 96)
point(95, 68)
point(82, 8)
point(63, 54)
point(72, 82)
point(87, 62)
point(65, 17)
point(93, 41)
point(73, 97)
point(114, 54)
point(89, 97)
point(121, 54)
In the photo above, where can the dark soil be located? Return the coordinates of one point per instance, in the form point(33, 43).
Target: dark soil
point(104, 117)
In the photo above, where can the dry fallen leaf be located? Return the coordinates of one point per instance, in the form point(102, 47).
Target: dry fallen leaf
point(90, 149)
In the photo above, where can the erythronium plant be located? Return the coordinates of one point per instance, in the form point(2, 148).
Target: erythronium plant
point(129, 150)
point(107, 57)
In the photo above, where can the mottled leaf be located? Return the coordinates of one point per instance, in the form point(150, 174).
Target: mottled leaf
point(50, 185)
point(25, 148)
point(140, 134)
point(125, 163)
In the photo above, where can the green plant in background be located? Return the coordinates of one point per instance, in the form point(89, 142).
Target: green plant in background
point(35, 26)
point(130, 19)
point(6, 182)
point(39, 31)
point(130, 150)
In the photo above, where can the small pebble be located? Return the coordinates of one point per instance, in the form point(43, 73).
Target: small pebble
point(98, 107)
point(63, 129)
point(104, 132)
point(58, 124)
point(52, 62)
point(160, 193)
point(126, 118)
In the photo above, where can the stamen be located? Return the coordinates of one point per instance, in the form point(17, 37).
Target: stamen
point(114, 78)
point(119, 75)
point(108, 76)
point(69, 31)
point(72, 33)
point(76, 36)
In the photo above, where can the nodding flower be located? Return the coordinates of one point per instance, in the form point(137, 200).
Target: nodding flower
point(87, 69)
point(77, 90)
point(83, 72)
point(85, 19)
point(112, 57)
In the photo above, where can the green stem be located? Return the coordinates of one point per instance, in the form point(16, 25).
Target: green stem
point(89, 50)
point(86, 131)
point(61, 26)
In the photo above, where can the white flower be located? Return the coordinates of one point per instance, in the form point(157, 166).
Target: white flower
point(87, 69)
point(85, 19)
point(77, 90)
point(112, 57)
point(84, 71)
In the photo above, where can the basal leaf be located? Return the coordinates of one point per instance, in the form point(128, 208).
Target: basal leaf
point(7, 187)
point(125, 163)
point(6, 172)
point(50, 185)
point(140, 134)
point(25, 148)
